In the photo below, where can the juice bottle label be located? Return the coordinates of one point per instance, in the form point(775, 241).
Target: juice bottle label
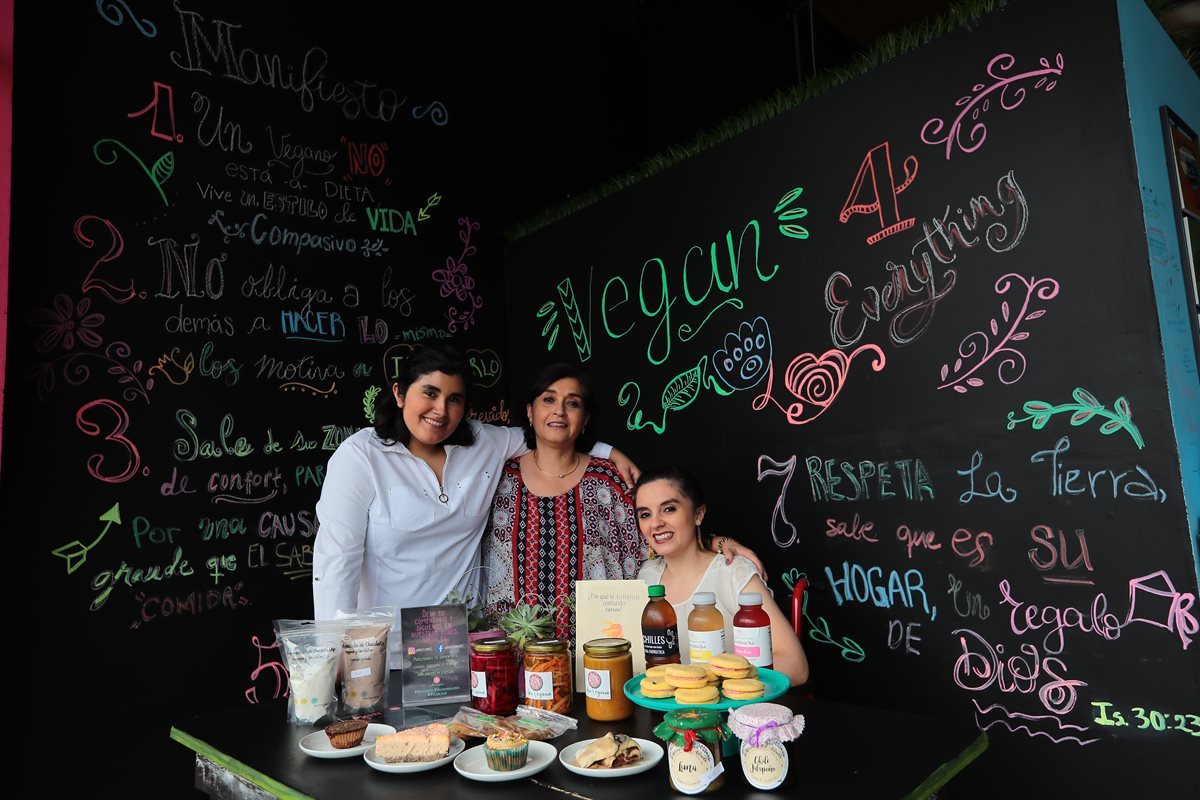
point(661, 642)
point(703, 645)
point(753, 643)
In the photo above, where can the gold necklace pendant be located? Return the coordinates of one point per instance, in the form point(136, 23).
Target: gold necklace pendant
point(551, 474)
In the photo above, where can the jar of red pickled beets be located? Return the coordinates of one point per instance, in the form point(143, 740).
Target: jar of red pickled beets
point(494, 676)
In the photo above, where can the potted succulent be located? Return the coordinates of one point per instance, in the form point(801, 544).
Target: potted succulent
point(528, 622)
point(480, 624)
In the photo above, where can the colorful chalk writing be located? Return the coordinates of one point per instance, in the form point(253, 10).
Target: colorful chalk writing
point(1066, 482)
point(1051, 552)
point(979, 101)
point(983, 665)
point(979, 346)
point(992, 485)
point(164, 97)
point(1086, 406)
point(75, 552)
point(274, 668)
point(118, 294)
point(876, 178)
point(1146, 720)
point(113, 433)
point(868, 585)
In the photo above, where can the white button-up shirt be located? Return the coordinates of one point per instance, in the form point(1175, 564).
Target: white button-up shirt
point(385, 539)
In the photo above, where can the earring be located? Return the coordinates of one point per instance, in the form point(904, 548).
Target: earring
point(650, 554)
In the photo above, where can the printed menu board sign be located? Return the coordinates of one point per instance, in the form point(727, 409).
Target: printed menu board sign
point(436, 663)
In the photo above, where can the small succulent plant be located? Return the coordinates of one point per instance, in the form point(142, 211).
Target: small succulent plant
point(528, 622)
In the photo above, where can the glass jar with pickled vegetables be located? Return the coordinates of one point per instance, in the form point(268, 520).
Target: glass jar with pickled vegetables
point(693, 737)
point(607, 665)
point(549, 679)
point(494, 676)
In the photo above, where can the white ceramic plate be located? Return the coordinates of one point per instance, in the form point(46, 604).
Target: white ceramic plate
point(652, 753)
point(317, 744)
point(457, 745)
point(473, 763)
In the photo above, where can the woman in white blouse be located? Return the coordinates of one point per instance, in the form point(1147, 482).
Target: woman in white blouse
point(404, 503)
point(669, 503)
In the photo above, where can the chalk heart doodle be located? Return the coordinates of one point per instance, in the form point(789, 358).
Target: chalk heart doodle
point(790, 577)
point(815, 381)
point(485, 367)
point(746, 357)
point(1011, 95)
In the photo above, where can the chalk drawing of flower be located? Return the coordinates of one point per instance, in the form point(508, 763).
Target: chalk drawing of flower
point(978, 102)
point(66, 321)
point(743, 361)
point(454, 279)
point(979, 345)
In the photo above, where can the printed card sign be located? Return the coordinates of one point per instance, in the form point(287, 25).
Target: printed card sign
point(609, 609)
point(436, 660)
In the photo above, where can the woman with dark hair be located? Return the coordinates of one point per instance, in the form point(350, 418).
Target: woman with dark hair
point(404, 503)
point(670, 507)
point(560, 515)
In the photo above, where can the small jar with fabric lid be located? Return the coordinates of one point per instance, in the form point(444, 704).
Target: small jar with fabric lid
point(767, 731)
point(693, 737)
point(607, 665)
point(494, 676)
point(549, 676)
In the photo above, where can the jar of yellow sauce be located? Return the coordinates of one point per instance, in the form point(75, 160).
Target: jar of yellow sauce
point(607, 665)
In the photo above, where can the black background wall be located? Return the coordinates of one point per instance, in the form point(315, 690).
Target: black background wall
point(943, 400)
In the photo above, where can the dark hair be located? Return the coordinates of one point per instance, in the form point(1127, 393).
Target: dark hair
point(548, 376)
point(389, 420)
point(688, 484)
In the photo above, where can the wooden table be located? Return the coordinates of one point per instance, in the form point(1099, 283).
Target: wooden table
point(845, 751)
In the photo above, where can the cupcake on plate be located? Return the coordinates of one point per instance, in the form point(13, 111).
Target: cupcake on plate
point(506, 751)
point(346, 734)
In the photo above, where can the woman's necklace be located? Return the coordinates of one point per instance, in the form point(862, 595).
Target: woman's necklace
point(551, 474)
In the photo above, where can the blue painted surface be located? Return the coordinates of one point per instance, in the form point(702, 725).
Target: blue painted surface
point(1157, 75)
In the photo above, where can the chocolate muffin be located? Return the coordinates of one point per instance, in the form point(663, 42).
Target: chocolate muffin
point(348, 733)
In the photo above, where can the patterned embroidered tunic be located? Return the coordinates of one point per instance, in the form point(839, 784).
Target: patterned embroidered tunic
point(535, 548)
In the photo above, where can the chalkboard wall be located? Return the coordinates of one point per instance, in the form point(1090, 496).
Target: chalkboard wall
point(228, 218)
point(906, 334)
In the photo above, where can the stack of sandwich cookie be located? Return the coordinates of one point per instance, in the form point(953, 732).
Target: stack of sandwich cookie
point(728, 665)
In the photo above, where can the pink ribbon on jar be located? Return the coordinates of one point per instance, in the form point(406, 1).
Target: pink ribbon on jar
point(759, 731)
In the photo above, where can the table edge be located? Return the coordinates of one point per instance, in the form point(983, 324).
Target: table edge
point(264, 782)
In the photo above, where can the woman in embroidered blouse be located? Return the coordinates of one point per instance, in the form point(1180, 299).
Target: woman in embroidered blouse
point(670, 508)
point(560, 515)
point(404, 504)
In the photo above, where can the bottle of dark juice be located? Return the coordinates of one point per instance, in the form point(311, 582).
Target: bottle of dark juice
point(660, 629)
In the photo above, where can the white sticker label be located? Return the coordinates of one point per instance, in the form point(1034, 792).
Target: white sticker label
point(539, 685)
point(703, 645)
point(599, 684)
point(754, 644)
point(692, 770)
point(360, 673)
point(764, 767)
point(478, 684)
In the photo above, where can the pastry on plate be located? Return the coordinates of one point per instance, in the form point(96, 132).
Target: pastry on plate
point(425, 743)
point(506, 751)
point(609, 752)
point(346, 734)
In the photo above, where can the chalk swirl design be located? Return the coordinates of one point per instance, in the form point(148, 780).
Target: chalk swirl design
point(978, 102)
point(113, 12)
point(436, 112)
point(1011, 362)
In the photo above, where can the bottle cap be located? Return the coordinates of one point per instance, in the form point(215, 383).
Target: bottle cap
point(657, 590)
point(750, 599)
point(704, 599)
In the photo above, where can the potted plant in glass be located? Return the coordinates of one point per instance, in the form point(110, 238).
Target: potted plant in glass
point(530, 621)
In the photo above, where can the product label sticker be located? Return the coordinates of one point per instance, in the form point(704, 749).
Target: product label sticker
point(703, 645)
point(598, 683)
point(539, 685)
point(360, 673)
point(478, 683)
point(660, 642)
point(764, 767)
point(692, 770)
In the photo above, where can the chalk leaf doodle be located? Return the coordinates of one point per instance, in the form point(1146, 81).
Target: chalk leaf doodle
point(979, 343)
point(1086, 406)
point(979, 102)
point(113, 12)
point(787, 227)
point(455, 281)
point(158, 174)
point(369, 396)
point(76, 552)
point(818, 630)
point(815, 381)
point(423, 212)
